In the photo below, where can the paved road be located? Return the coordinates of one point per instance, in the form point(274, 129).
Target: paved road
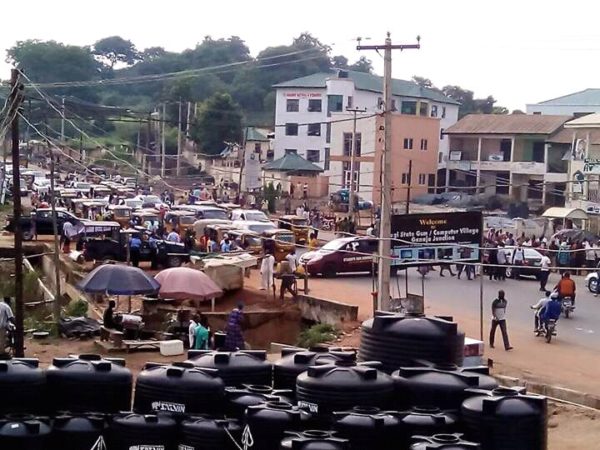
point(461, 298)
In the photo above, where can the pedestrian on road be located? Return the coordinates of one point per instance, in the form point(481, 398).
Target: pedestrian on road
point(544, 272)
point(266, 270)
point(499, 320)
point(7, 318)
point(235, 339)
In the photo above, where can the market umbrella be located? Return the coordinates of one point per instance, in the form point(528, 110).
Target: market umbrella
point(114, 279)
point(181, 283)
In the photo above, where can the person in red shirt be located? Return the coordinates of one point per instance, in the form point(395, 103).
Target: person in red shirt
point(566, 287)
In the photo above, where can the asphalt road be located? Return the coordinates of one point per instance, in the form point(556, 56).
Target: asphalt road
point(461, 297)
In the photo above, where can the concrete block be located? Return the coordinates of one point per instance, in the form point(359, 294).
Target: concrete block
point(326, 311)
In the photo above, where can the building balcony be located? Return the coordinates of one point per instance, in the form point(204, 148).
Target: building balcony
point(521, 167)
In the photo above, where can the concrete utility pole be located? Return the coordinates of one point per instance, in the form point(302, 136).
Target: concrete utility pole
point(163, 146)
point(352, 189)
point(179, 140)
point(383, 275)
point(409, 185)
point(56, 305)
point(242, 165)
point(15, 100)
point(62, 122)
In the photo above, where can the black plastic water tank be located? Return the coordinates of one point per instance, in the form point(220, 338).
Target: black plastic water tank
point(314, 440)
point(505, 418)
point(24, 433)
point(89, 383)
point(368, 428)
point(295, 360)
point(179, 388)
point(425, 421)
point(398, 340)
point(235, 368)
point(443, 442)
point(207, 433)
point(321, 390)
point(129, 431)
point(77, 432)
point(440, 385)
point(269, 421)
point(239, 398)
point(22, 386)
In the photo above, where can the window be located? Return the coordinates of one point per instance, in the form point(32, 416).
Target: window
point(292, 105)
point(394, 105)
point(443, 112)
point(335, 103)
point(408, 143)
point(409, 108)
point(328, 133)
point(257, 147)
point(422, 179)
point(315, 105)
point(423, 109)
point(348, 144)
point(433, 110)
point(291, 129)
point(350, 101)
point(405, 178)
point(313, 155)
point(423, 144)
point(537, 113)
point(327, 158)
point(441, 134)
point(314, 129)
point(379, 103)
point(270, 155)
point(291, 150)
point(440, 157)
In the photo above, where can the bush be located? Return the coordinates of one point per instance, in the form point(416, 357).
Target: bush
point(317, 334)
point(77, 308)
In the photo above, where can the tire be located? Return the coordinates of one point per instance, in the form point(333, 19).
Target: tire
point(174, 261)
point(27, 235)
point(509, 272)
point(548, 336)
point(567, 312)
point(329, 270)
point(592, 285)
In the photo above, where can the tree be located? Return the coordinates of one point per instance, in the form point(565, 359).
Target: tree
point(362, 65)
point(152, 53)
point(517, 111)
point(219, 120)
point(423, 82)
point(114, 49)
point(339, 62)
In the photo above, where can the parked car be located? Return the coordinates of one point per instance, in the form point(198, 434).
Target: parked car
point(43, 222)
point(341, 198)
point(204, 211)
point(151, 201)
point(343, 255)
point(591, 282)
point(532, 262)
point(254, 226)
point(41, 186)
point(249, 214)
point(81, 187)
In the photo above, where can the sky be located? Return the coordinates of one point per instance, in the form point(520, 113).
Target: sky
point(518, 51)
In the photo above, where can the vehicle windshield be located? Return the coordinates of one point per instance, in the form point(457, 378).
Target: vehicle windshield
point(256, 215)
point(135, 204)
point(253, 241)
point(83, 186)
point(187, 220)
point(214, 214)
point(125, 212)
point(299, 222)
point(42, 182)
point(151, 199)
point(332, 246)
point(259, 227)
point(284, 237)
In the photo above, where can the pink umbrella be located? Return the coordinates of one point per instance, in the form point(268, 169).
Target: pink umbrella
point(183, 283)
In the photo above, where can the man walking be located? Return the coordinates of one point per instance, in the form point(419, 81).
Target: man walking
point(499, 320)
point(6, 319)
point(544, 271)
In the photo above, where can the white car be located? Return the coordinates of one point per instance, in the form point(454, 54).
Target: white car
point(81, 187)
point(254, 226)
point(249, 214)
point(151, 201)
point(591, 282)
point(41, 186)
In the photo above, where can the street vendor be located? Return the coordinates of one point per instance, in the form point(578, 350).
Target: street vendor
point(109, 316)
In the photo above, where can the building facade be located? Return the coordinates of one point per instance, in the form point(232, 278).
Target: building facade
point(415, 141)
point(520, 157)
point(577, 104)
point(306, 109)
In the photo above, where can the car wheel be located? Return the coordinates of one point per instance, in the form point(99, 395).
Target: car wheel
point(27, 235)
point(329, 271)
point(509, 272)
point(593, 285)
point(174, 261)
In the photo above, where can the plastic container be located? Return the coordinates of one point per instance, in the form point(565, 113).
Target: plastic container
point(368, 428)
point(269, 421)
point(24, 433)
point(77, 432)
point(443, 442)
point(314, 440)
point(238, 399)
point(425, 421)
point(235, 368)
point(129, 431)
point(22, 386)
point(207, 433)
point(171, 348)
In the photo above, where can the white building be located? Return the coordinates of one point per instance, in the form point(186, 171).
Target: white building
point(577, 104)
point(304, 108)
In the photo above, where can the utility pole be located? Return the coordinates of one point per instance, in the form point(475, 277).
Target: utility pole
point(383, 275)
point(179, 139)
point(15, 100)
point(242, 165)
point(62, 122)
point(352, 190)
point(57, 297)
point(409, 184)
point(163, 140)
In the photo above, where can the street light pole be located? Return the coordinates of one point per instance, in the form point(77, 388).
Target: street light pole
point(351, 195)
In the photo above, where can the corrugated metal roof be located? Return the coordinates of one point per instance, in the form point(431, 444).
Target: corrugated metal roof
point(587, 121)
point(369, 82)
point(292, 162)
point(587, 97)
point(507, 124)
point(254, 135)
point(565, 136)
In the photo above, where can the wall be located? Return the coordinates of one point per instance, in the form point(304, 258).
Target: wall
point(423, 161)
point(326, 311)
point(566, 110)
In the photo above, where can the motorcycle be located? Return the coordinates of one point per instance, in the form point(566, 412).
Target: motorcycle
point(567, 306)
point(547, 330)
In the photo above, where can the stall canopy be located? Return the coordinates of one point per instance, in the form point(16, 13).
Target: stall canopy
point(565, 213)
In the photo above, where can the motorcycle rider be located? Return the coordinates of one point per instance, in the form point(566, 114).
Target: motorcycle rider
point(551, 311)
point(539, 306)
point(566, 287)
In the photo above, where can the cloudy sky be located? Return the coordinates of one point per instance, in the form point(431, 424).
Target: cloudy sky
point(519, 51)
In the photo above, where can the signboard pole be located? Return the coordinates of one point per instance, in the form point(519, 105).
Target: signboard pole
point(481, 284)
